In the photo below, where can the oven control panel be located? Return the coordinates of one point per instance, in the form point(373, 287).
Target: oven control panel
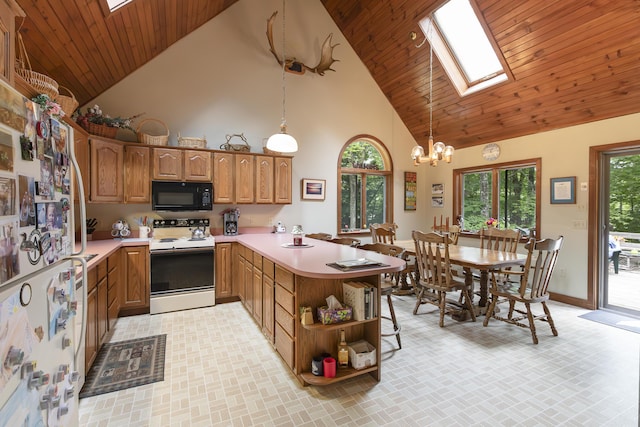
point(185, 222)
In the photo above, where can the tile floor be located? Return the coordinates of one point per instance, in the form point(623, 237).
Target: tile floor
point(220, 371)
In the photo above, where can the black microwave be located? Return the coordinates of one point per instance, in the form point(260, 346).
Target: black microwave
point(181, 196)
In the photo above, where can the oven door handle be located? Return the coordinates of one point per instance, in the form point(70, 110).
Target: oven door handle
point(180, 251)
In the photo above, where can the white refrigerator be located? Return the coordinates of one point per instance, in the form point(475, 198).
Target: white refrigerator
point(39, 306)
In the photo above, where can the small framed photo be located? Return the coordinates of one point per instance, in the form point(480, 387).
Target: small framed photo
point(437, 202)
point(437, 188)
point(313, 189)
point(563, 190)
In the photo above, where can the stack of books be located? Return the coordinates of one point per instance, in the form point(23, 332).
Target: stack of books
point(363, 298)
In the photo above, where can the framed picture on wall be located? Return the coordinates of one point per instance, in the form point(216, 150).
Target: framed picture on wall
point(563, 190)
point(437, 202)
point(437, 188)
point(410, 190)
point(313, 189)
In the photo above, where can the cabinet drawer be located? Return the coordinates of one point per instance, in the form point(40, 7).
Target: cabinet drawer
point(268, 268)
point(102, 270)
point(257, 260)
point(114, 260)
point(113, 314)
point(285, 279)
point(285, 346)
point(248, 254)
point(285, 299)
point(92, 278)
point(286, 320)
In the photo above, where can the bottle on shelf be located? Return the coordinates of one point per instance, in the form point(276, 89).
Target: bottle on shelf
point(343, 351)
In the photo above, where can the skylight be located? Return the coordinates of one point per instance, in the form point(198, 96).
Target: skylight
point(463, 47)
point(115, 4)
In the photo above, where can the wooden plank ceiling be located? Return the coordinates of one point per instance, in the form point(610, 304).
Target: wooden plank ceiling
point(573, 61)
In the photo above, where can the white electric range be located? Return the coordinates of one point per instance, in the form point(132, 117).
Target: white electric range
point(182, 266)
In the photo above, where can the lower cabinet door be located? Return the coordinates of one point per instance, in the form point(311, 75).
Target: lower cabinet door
point(285, 346)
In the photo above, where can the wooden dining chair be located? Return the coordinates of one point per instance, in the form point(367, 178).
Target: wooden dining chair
point(500, 240)
point(349, 241)
point(531, 288)
point(383, 233)
point(395, 251)
point(319, 236)
point(435, 278)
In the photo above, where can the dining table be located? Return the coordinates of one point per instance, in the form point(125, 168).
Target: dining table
point(470, 257)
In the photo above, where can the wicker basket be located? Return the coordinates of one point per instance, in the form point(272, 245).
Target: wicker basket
point(145, 138)
point(102, 130)
point(67, 103)
point(236, 147)
point(192, 142)
point(40, 82)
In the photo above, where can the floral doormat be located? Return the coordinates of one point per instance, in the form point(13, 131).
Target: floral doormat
point(126, 364)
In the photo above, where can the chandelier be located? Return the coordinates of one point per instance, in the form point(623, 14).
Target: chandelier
point(437, 151)
point(282, 141)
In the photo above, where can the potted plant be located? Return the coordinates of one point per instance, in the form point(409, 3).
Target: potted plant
point(97, 123)
point(49, 107)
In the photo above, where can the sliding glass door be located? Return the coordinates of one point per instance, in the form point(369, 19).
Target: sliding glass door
point(620, 232)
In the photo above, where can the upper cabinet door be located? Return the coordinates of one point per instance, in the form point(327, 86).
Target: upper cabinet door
point(264, 179)
point(106, 171)
point(244, 178)
point(167, 164)
point(283, 180)
point(197, 166)
point(223, 178)
point(136, 174)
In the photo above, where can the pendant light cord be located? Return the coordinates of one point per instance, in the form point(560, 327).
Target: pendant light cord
point(430, 89)
point(284, 62)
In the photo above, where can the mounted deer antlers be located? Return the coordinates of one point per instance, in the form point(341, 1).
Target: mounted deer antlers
point(293, 66)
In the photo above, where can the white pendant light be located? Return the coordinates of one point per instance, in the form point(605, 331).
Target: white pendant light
point(282, 141)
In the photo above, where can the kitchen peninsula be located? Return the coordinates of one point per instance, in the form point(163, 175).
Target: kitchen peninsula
point(273, 280)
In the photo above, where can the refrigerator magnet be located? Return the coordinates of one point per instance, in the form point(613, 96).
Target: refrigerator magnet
point(42, 127)
point(25, 294)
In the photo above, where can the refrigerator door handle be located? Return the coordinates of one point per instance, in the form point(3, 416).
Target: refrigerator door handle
point(83, 324)
point(83, 207)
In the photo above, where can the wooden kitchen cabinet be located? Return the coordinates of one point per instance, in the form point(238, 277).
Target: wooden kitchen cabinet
point(238, 270)
point(283, 176)
point(106, 174)
point(197, 166)
point(103, 302)
point(137, 188)
point(264, 179)
point(223, 178)
point(285, 315)
point(91, 344)
point(257, 288)
point(248, 280)
point(268, 298)
point(135, 287)
point(244, 176)
point(114, 280)
point(224, 271)
point(167, 164)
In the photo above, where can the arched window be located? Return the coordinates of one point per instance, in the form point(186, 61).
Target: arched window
point(365, 183)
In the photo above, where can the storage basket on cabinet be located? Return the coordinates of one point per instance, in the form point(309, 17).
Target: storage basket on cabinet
point(101, 130)
point(68, 103)
point(40, 82)
point(146, 138)
point(192, 142)
point(236, 147)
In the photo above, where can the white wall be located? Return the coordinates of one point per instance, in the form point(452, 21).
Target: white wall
point(221, 79)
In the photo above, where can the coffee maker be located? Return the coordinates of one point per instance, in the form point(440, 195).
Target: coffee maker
point(230, 223)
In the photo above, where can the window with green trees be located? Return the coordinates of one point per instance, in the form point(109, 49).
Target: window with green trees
point(624, 198)
point(365, 183)
point(508, 192)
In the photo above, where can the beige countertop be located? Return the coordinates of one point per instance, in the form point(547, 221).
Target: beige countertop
point(312, 261)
